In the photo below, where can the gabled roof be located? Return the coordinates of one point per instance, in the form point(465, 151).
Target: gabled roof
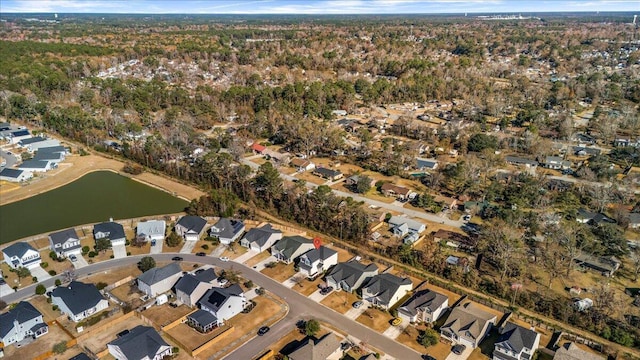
point(11, 173)
point(34, 164)
point(32, 140)
point(78, 296)
point(396, 189)
point(61, 237)
point(21, 313)
point(412, 224)
point(17, 249)
point(519, 160)
point(317, 349)
point(46, 156)
point(214, 298)
point(257, 147)
point(19, 132)
point(327, 172)
point(141, 342)
point(115, 230)
point(593, 216)
point(207, 275)
point(187, 284)
point(151, 227)
point(155, 275)
point(261, 235)
point(226, 228)
point(52, 149)
point(203, 318)
point(350, 272)
point(300, 162)
point(321, 253)
point(192, 223)
point(385, 286)
point(467, 321)
point(288, 245)
point(571, 351)
point(515, 338)
point(424, 299)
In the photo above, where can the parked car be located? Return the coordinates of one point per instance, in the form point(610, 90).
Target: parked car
point(224, 258)
point(357, 304)
point(396, 322)
point(263, 330)
point(326, 290)
point(176, 258)
point(466, 218)
point(458, 349)
point(223, 282)
point(73, 257)
point(201, 254)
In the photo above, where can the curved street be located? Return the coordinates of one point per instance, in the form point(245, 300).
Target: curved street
point(300, 307)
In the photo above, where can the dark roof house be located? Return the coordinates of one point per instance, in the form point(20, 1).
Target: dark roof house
point(516, 343)
point(141, 342)
point(350, 275)
point(320, 349)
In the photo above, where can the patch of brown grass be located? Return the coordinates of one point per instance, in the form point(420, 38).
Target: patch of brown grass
point(308, 287)
point(280, 272)
point(165, 314)
point(340, 301)
point(40, 303)
point(409, 337)
point(375, 319)
point(258, 258)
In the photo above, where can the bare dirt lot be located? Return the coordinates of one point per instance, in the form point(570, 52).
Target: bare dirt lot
point(39, 346)
point(280, 272)
point(165, 314)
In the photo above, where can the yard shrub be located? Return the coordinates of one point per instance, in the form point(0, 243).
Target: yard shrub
point(44, 265)
point(248, 284)
point(60, 347)
point(92, 254)
point(55, 307)
point(58, 282)
point(85, 250)
point(52, 272)
point(34, 279)
point(40, 289)
point(175, 349)
point(205, 246)
point(101, 285)
point(53, 256)
point(428, 337)
point(128, 253)
point(111, 256)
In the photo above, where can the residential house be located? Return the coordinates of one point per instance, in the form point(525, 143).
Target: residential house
point(279, 157)
point(37, 165)
point(24, 142)
point(21, 254)
point(258, 149)
point(606, 266)
point(516, 343)
point(202, 321)
point(110, 230)
point(571, 351)
point(81, 356)
point(448, 202)
point(21, 322)
point(78, 300)
point(467, 325)
point(426, 164)
point(586, 151)
point(325, 348)
point(401, 227)
point(151, 230)
point(515, 160)
point(54, 157)
point(330, 174)
point(583, 304)
point(261, 239)
point(140, 343)
point(159, 280)
point(190, 227)
point(634, 219)
point(399, 192)
point(456, 240)
point(65, 243)
point(317, 261)
point(36, 146)
point(556, 163)
point(16, 136)
point(584, 139)
point(424, 306)
point(349, 276)
point(54, 150)
point(353, 181)
point(191, 287)
point(290, 248)
point(302, 165)
point(223, 303)
point(385, 290)
point(592, 218)
point(227, 230)
point(15, 175)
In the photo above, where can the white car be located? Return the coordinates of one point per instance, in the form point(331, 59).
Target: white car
point(224, 258)
point(466, 218)
point(223, 282)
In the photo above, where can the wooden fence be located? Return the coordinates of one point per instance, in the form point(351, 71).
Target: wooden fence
point(212, 342)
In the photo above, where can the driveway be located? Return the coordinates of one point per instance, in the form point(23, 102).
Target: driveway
point(393, 332)
point(119, 251)
point(40, 273)
point(5, 290)
point(188, 246)
point(353, 313)
point(465, 354)
point(290, 282)
point(316, 296)
point(157, 248)
point(80, 262)
point(246, 256)
point(10, 159)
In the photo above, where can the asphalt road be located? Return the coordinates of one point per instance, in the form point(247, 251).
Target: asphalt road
point(10, 159)
point(300, 307)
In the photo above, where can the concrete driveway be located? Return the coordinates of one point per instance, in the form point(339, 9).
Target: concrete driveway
point(5, 290)
point(465, 354)
point(290, 282)
point(40, 273)
point(80, 262)
point(188, 246)
point(393, 332)
point(245, 257)
point(353, 313)
point(316, 296)
point(157, 248)
point(119, 251)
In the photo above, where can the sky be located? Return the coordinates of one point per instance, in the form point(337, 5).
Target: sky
point(312, 6)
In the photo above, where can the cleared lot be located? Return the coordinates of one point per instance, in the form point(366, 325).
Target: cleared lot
point(39, 346)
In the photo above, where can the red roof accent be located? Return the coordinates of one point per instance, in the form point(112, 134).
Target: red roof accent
point(258, 148)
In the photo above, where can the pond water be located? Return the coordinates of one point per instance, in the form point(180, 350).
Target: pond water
point(94, 197)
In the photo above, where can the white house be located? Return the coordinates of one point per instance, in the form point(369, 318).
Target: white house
point(412, 225)
point(35, 146)
point(16, 136)
point(151, 230)
point(65, 243)
point(37, 165)
point(516, 342)
point(424, 306)
point(223, 303)
point(78, 300)
point(191, 287)
point(467, 325)
point(21, 322)
point(227, 230)
point(21, 254)
point(190, 227)
point(385, 290)
point(159, 280)
point(302, 165)
point(15, 175)
point(141, 342)
point(317, 261)
point(261, 239)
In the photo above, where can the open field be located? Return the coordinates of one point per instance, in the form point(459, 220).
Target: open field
point(340, 301)
point(40, 346)
point(375, 319)
point(280, 272)
point(165, 314)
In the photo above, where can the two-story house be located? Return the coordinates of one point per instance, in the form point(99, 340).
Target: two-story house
point(65, 243)
point(159, 280)
point(21, 322)
point(21, 254)
point(190, 227)
point(290, 248)
point(317, 261)
point(227, 230)
point(222, 303)
point(516, 342)
point(261, 239)
point(78, 300)
point(141, 342)
point(385, 290)
point(191, 287)
point(349, 276)
point(112, 231)
point(424, 306)
point(325, 348)
point(467, 325)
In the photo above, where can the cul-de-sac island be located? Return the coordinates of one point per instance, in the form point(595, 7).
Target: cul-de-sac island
point(320, 180)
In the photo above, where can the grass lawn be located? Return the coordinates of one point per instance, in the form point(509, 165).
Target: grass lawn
point(340, 301)
point(280, 272)
point(199, 247)
point(485, 349)
point(126, 292)
point(58, 266)
point(409, 337)
point(190, 338)
point(41, 345)
point(40, 303)
point(257, 258)
point(375, 319)
point(12, 278)
point(165, 314)
point(308, 287)
point(144, 249)
point(40, 243)
point(310, 178)
point(235, 251)
point(115, 274)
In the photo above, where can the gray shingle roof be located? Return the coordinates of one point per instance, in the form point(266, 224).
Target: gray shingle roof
point(156, 275)
point(321, 253)
point(192, 223)
point(61, 237)
point(350, 272)
point(11, 173)
point(261, 235)
point(226, 228)
point(81, 356)
point(52, 149)
point(571, 351)
point(384, 286)
point(516, 338)
point(115, 230)
point(288, 245)
point(78, 296)
point(467, 321)
point(203, 318)
point(45, 156)
point(328, 173)
point(317, 349)
point(214, 298)
point(34, 164)
point(424, 299)
point(141, 342)
point(207, 275)
point(21, 313)
point(32, 140)
point(187, 284)
point(17, 249)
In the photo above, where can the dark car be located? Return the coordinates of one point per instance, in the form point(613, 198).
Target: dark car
point(458, 349)
point(176, 258)
point(201, 254)
point(263, 330)
point(326, 290)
